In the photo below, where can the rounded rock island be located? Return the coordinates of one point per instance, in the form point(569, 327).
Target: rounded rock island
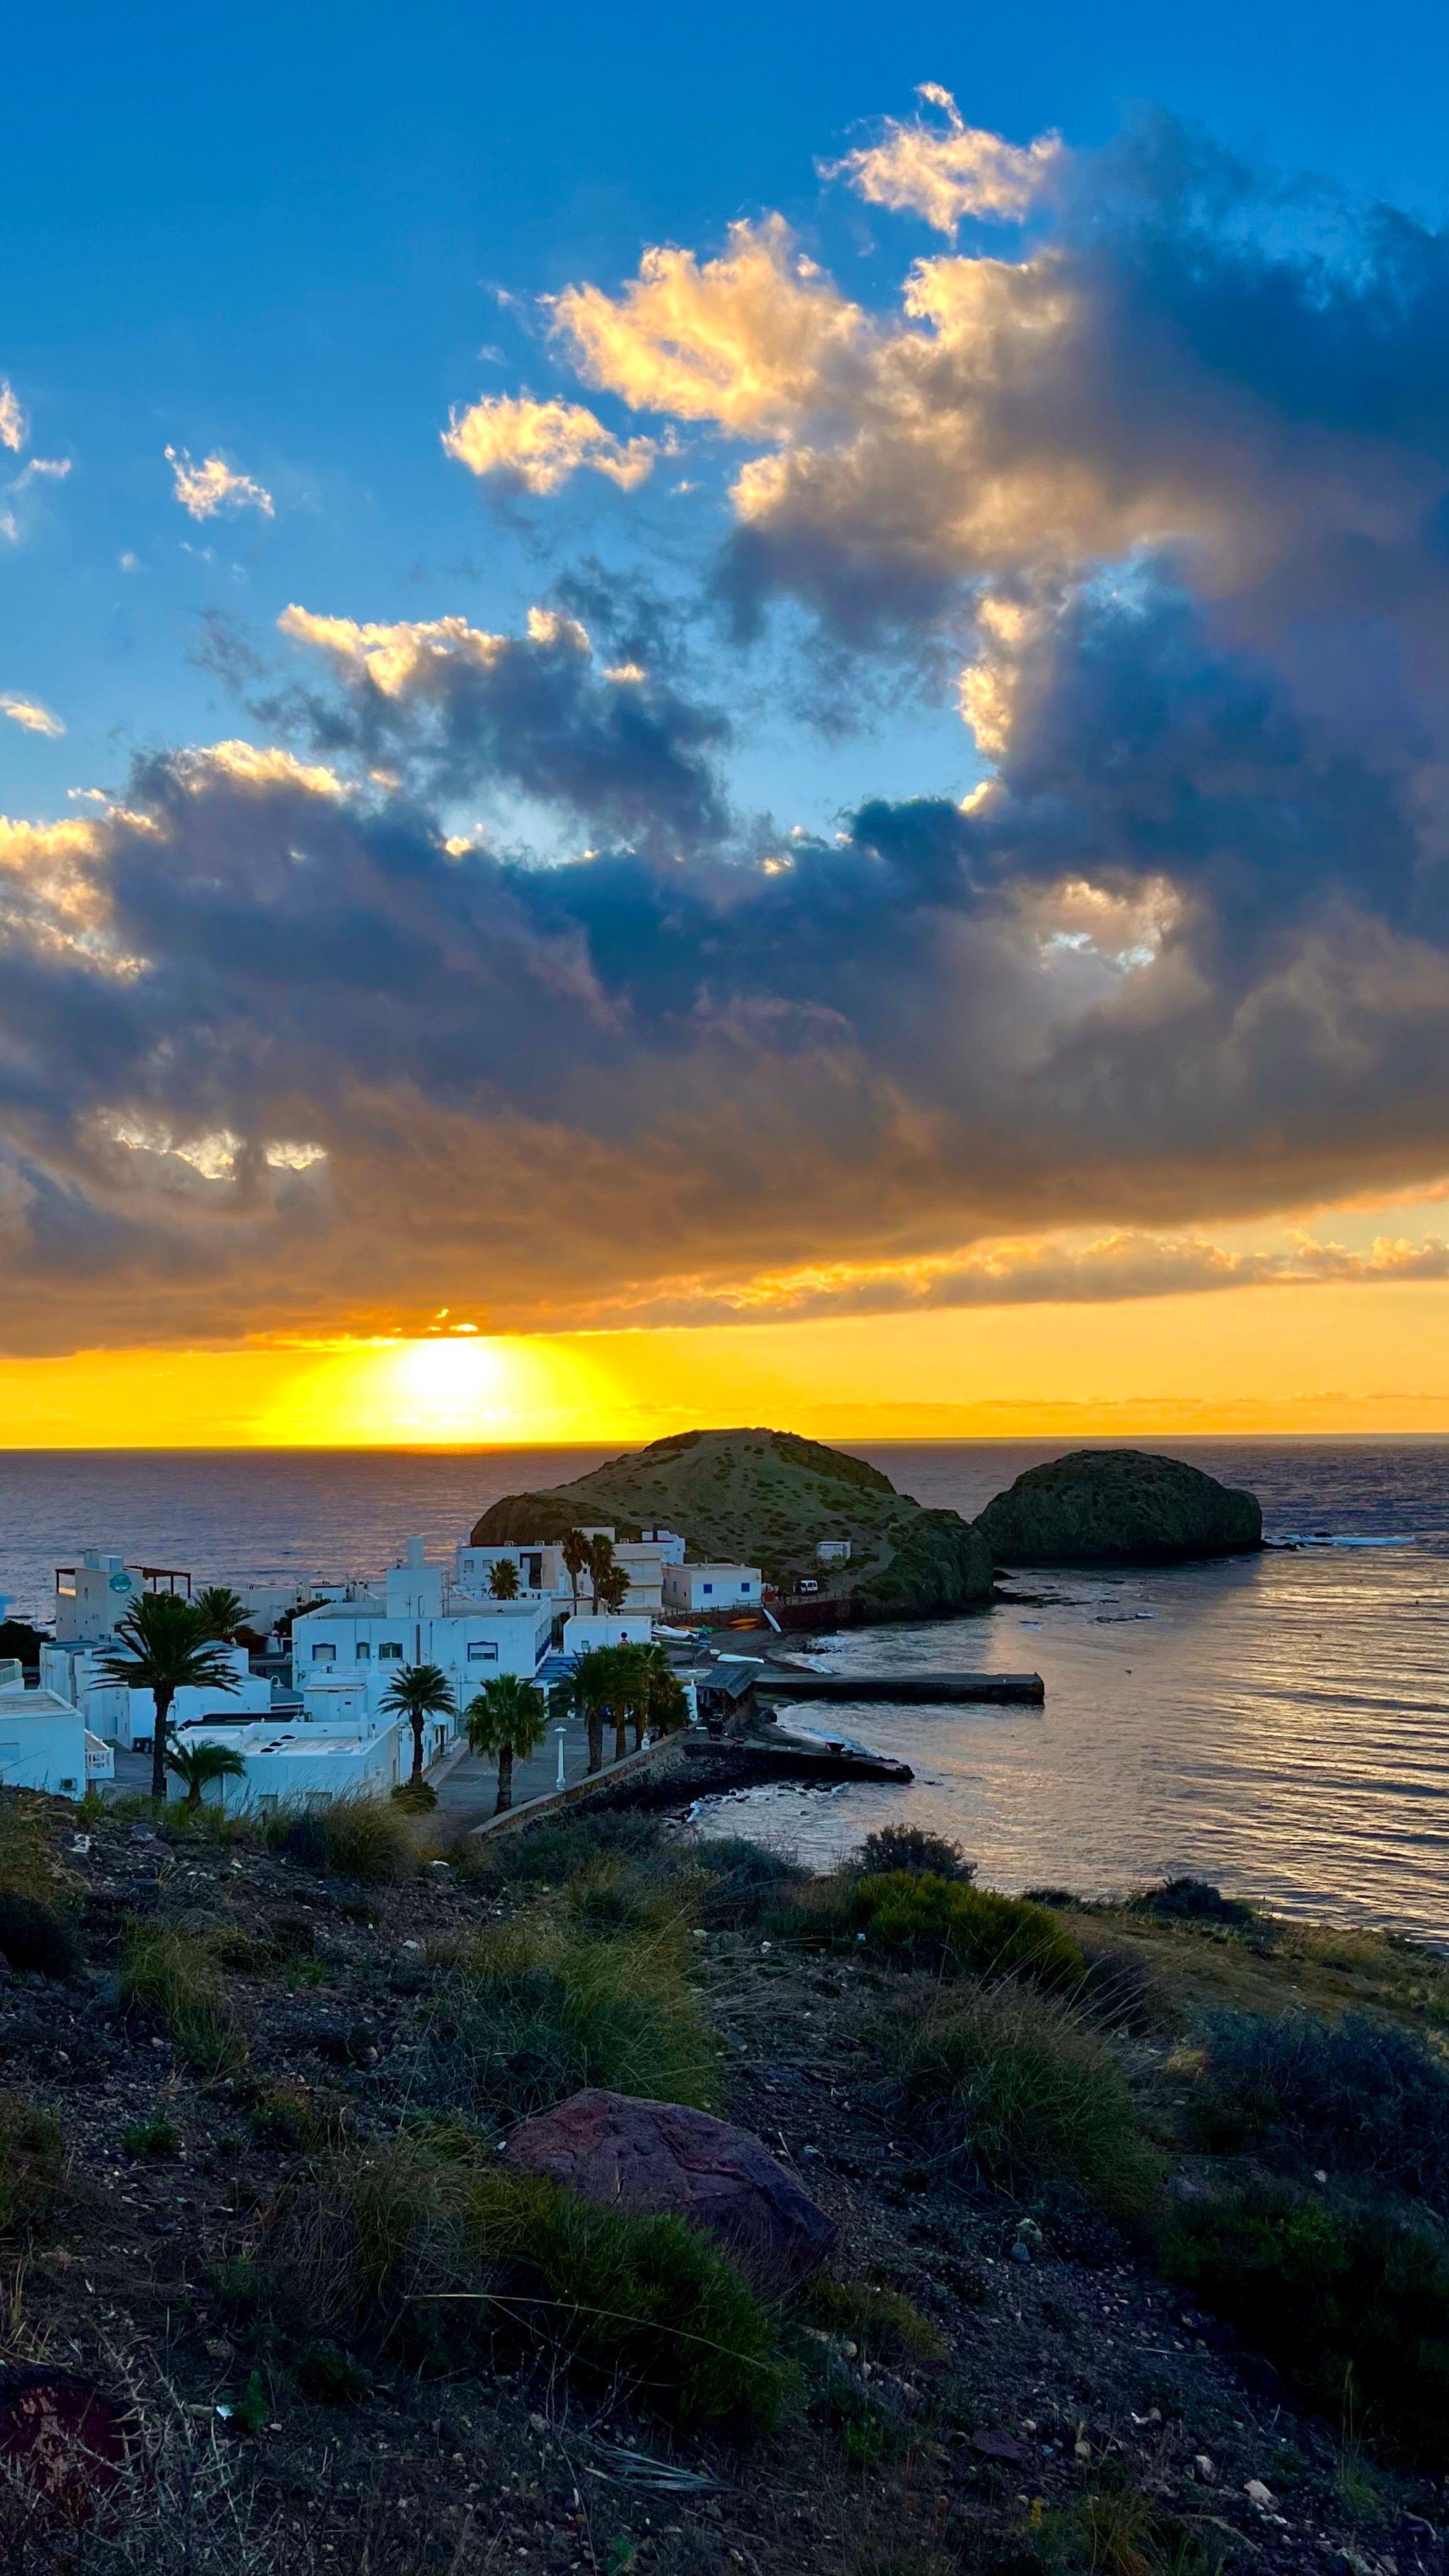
point(1118, 1506)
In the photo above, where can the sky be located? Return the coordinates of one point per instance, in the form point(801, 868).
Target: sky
point(722, 720)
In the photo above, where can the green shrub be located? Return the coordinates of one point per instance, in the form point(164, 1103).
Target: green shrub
point(327, 2376)
point(29, 1864)
point(611, 1894)
point(1012, 2080)
point(369, 1839)
point(441, 2256)
point(744, 1882)
point(34, 1936)
point(552, 1852)
point(1190, 1900)
point(947, 1925)
point(175, 1979)
point(649, 2301)
point(1352, 2303)
point(293, 2117)
point(883, 2323)
point(31, 2163)
point(1116, 2530)
point(158, 2136)
point(1360, 2095)
point(415, 1797)
point(912, 1847)
point(534, 2014)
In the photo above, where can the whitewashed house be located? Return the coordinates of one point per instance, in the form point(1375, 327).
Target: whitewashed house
point(44, 1741)
point(607, 1628)
point(419, 1621)
point(126, 1717)
point(541, 1567)
point(692, 1588)
point(295, 1765)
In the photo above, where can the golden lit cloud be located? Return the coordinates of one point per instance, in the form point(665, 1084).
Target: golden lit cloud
point(29, 713)
point(746, 340)
point(947, 170)
point(214, 486)
point(542, 443)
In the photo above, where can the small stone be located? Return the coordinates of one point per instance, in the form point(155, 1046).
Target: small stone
point(1082, 2448)
point(538, 2423)
point(1020, 2252)
point(1203, 2469)
point(1263, 2497)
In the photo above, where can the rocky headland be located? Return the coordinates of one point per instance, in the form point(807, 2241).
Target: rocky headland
point(768, 1498)
point(1118, 1506)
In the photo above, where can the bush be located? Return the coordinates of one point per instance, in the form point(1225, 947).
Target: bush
point(442, 2255)
point(1014, 2082)
point(1361, 2095)
point(29, 1865)
point(1116, 2530)
point(551, 1853)
point(327, 2376)
point(31, 2163)
point(533, 2014)
point(1190, 1900)
point(912, 1847)
point(744, 1882)
point(292, 2116)
point(945, 1924)
point(158, 2136)
point(415, 1797)
point(612, 1894)
point(370, 1839)
point(884, 2323)
point(33, 1935)
point(1351, 2303)
point(175, 1979)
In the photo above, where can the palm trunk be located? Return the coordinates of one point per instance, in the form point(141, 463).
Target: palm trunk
point(162, 1697)
point(416, 1779)
point(596, 1739)
point(621, 1736)
point(505, 1779)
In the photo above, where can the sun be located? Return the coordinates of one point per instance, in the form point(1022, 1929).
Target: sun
point(445, 1391)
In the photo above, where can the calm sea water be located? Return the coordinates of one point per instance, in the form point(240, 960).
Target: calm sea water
point(1279, 1724)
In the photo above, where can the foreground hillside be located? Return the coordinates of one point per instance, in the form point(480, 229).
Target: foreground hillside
point(767, 1498)
point(1130, 2273)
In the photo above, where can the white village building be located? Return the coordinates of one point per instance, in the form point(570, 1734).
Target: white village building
point(711, 1587)
point(44, 1741)
point(420, 1618)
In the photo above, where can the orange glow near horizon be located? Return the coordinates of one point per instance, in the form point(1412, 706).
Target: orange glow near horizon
point(1309, 1359)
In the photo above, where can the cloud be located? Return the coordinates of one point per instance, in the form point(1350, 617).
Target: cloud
point(946, 171)
point(204, 490)
point(30, 713)
point(466, 712)
point(540, 444)
point(12, 418)
point(746, 340)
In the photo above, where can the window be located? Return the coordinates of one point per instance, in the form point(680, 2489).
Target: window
point(323, 1654)
point(744, 1587)
point(481, 1652)
point(364, 1651)
point(389, 1652)
point(707, 1587)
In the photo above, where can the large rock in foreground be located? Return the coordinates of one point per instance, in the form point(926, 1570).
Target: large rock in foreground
point(767, 1498)
point(657, 2158)
point(1118, 1506)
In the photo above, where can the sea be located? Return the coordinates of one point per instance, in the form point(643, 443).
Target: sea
point(1278, 1724)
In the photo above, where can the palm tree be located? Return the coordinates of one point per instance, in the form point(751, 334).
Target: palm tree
point(611, 1587)
point(575, 1551)
point(162, 1648)
point(220, 1610)
point(418, 1692)
point(503, 1582)
point(198, 1764)
point(666, 1702)
point(586, 1691)
point(507, 1719)
point(601, 1565)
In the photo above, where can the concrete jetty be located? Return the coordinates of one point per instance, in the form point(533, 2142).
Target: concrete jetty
point(776, 1681)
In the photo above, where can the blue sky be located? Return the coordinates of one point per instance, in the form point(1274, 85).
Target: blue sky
point(968, 822)
point(277, 233)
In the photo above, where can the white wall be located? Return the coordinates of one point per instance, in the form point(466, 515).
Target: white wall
point(470, 1646)
point(120, 1715)
point(711, 1587)
point(43, 1744)
point(294, 1765)
point(622, 1628)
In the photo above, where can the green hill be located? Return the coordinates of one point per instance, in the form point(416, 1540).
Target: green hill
point(767, 1498)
